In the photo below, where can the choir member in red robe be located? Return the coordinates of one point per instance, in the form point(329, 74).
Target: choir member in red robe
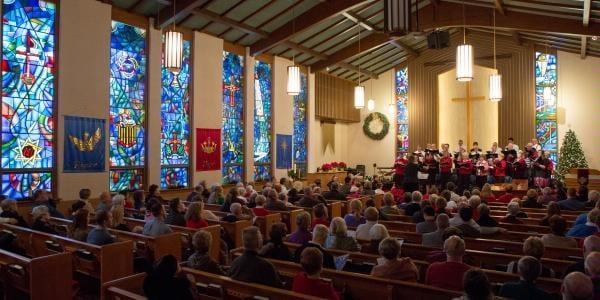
point(499, 168)
point(399, 167)
point(465, 169)
point(445, 168)
point(542, 169)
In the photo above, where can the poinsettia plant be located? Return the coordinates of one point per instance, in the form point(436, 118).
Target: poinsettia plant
point(342, 165)
point(326, 167)
point(334, 164)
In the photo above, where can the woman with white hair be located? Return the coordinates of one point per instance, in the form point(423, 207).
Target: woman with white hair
point(376, 234)
point(41, 220)
point(391, 265)
point(338, 236)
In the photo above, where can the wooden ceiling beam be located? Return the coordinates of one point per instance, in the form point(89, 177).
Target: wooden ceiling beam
point(516, 37)
point(182, 9)
point(269, 20)
point(517, 20)
point(583, 47)
point(354, 68)
point(403, 46)
point(499, 4)
point(309, 18)
point(252, 14)
point(587, 6)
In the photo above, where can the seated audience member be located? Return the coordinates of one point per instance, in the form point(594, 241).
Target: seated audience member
point(389, 207)
point(368, 188)
point(273, 202)
point(593, 196)
point(529, 269)
point(508, 194)
point(275, 248)
point(572, 202)
point(334, 193)
point(157, 226)
point(308, 199)
point(546, 196)
point(449, 274)
point(162, 282)
point(216, 195)
point(42, 197)
point(117, 213)
point(236, 214)
point(302, 234)
point(354, 218)
point(486, 194)
point(321, 216)
point(100, 235)
point(376, 234)
point(206, 214)
point(577, 286)
point(41, 220)
point(440, 205)
point(587, 229)
point(154, 192)
point(531, 200)
point(84, 196)
point(592, 269)
point(391, 265)
point(428, 225)
point(105, 202)
point(338, 236)
point(552, 210)
point(415, 204)
point(477, 286)
point(200, 259)
point(193, 216)
point(249, 267)
point(354, 191)
point(593, 199)
point(138, 199)
point(320, 234)
point(193, 196)
point(372, 216)
point(345, 188)
point(513, 210)
point(176, 214)
point(469, 227)
point(534, 247)
point(485, 220)
point(590, 244)
point(259, 210)
point(557, 238)
point(10, 214)
point(309, 281)
point(417, 217)
point(79, 228)
point(434, 239)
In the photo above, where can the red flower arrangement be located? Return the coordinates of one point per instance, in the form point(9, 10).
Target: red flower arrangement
point(326, 167)
point(342, 165)
point(333, 165)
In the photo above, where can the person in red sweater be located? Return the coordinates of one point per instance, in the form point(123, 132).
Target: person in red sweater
point(507, 196)
point(259, 210)
point(449, 274)
point(399, 166)
point(193, 216)
point(465, 169)
point(321, 216)
point(309, 281)
point(445, 168)
point(398, 193)
point(499, 168)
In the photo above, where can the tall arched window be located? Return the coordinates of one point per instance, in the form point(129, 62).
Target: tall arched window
point(28, 96)
point(546, 126)
point(233, 117)
point(127, 106)
point(300, 135)
point(401, 111)
point(263, 136)
point(175, 124)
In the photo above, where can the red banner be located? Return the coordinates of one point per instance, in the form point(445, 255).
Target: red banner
point(208, 149)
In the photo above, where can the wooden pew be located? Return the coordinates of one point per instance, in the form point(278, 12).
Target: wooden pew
point(188, 233)
point(104, 263)
point(409, 226)
point(131, 288)
point(43, 277)
point(234, 230)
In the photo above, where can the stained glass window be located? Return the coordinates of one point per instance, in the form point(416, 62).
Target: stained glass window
point(175, 124)
point(401, 111)
point(545, 103)
point(262, 121)
point(300, 125)
point(28, 50)
point(233, 117)
point(127, 106)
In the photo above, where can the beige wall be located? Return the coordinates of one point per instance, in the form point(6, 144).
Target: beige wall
point(153, 103)
point(579, 102)
point(83, 81)
point(283, 108)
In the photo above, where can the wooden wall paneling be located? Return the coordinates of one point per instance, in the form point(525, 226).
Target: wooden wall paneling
point(334, 99)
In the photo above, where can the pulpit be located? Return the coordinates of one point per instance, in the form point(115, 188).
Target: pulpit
point(325, 177)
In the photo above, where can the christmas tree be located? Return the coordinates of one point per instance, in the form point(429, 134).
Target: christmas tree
point(571, 156)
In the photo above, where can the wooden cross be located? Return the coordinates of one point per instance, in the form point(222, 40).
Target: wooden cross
point(468, 100)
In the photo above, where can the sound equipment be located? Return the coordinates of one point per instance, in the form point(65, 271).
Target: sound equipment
point(438, 39)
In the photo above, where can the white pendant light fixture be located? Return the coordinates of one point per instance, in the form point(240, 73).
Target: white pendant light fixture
point(359, 90)
point(464, 56)
point(495, 79)
point(293, 71)
point(371, 102)
point(173, 48)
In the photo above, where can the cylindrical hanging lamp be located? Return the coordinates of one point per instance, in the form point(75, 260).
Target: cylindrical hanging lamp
point(359, 96)
point(495, 87)
point(293, 80)
point(173, 50)
point(464, 62)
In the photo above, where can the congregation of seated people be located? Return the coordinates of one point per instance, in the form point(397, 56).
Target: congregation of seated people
point(445, 222)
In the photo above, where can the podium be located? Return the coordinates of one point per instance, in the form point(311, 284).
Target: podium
point(326, 177)
point(592, 176)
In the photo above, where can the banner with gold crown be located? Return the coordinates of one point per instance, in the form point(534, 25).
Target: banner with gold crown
point(85, 147)
point(208, 149)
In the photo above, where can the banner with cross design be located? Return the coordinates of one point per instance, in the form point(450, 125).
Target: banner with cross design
point(284, 151)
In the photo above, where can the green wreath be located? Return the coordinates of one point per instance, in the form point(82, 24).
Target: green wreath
point(384, 129)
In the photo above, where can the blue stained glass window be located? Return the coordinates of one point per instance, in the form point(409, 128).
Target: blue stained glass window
point(175, 124)
point(126, 179)
point(127, 104)
point(401, 111)
point(300, 127)
point(546, 125)
point(233, 117)
point(262, 121)
point(28, 50)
